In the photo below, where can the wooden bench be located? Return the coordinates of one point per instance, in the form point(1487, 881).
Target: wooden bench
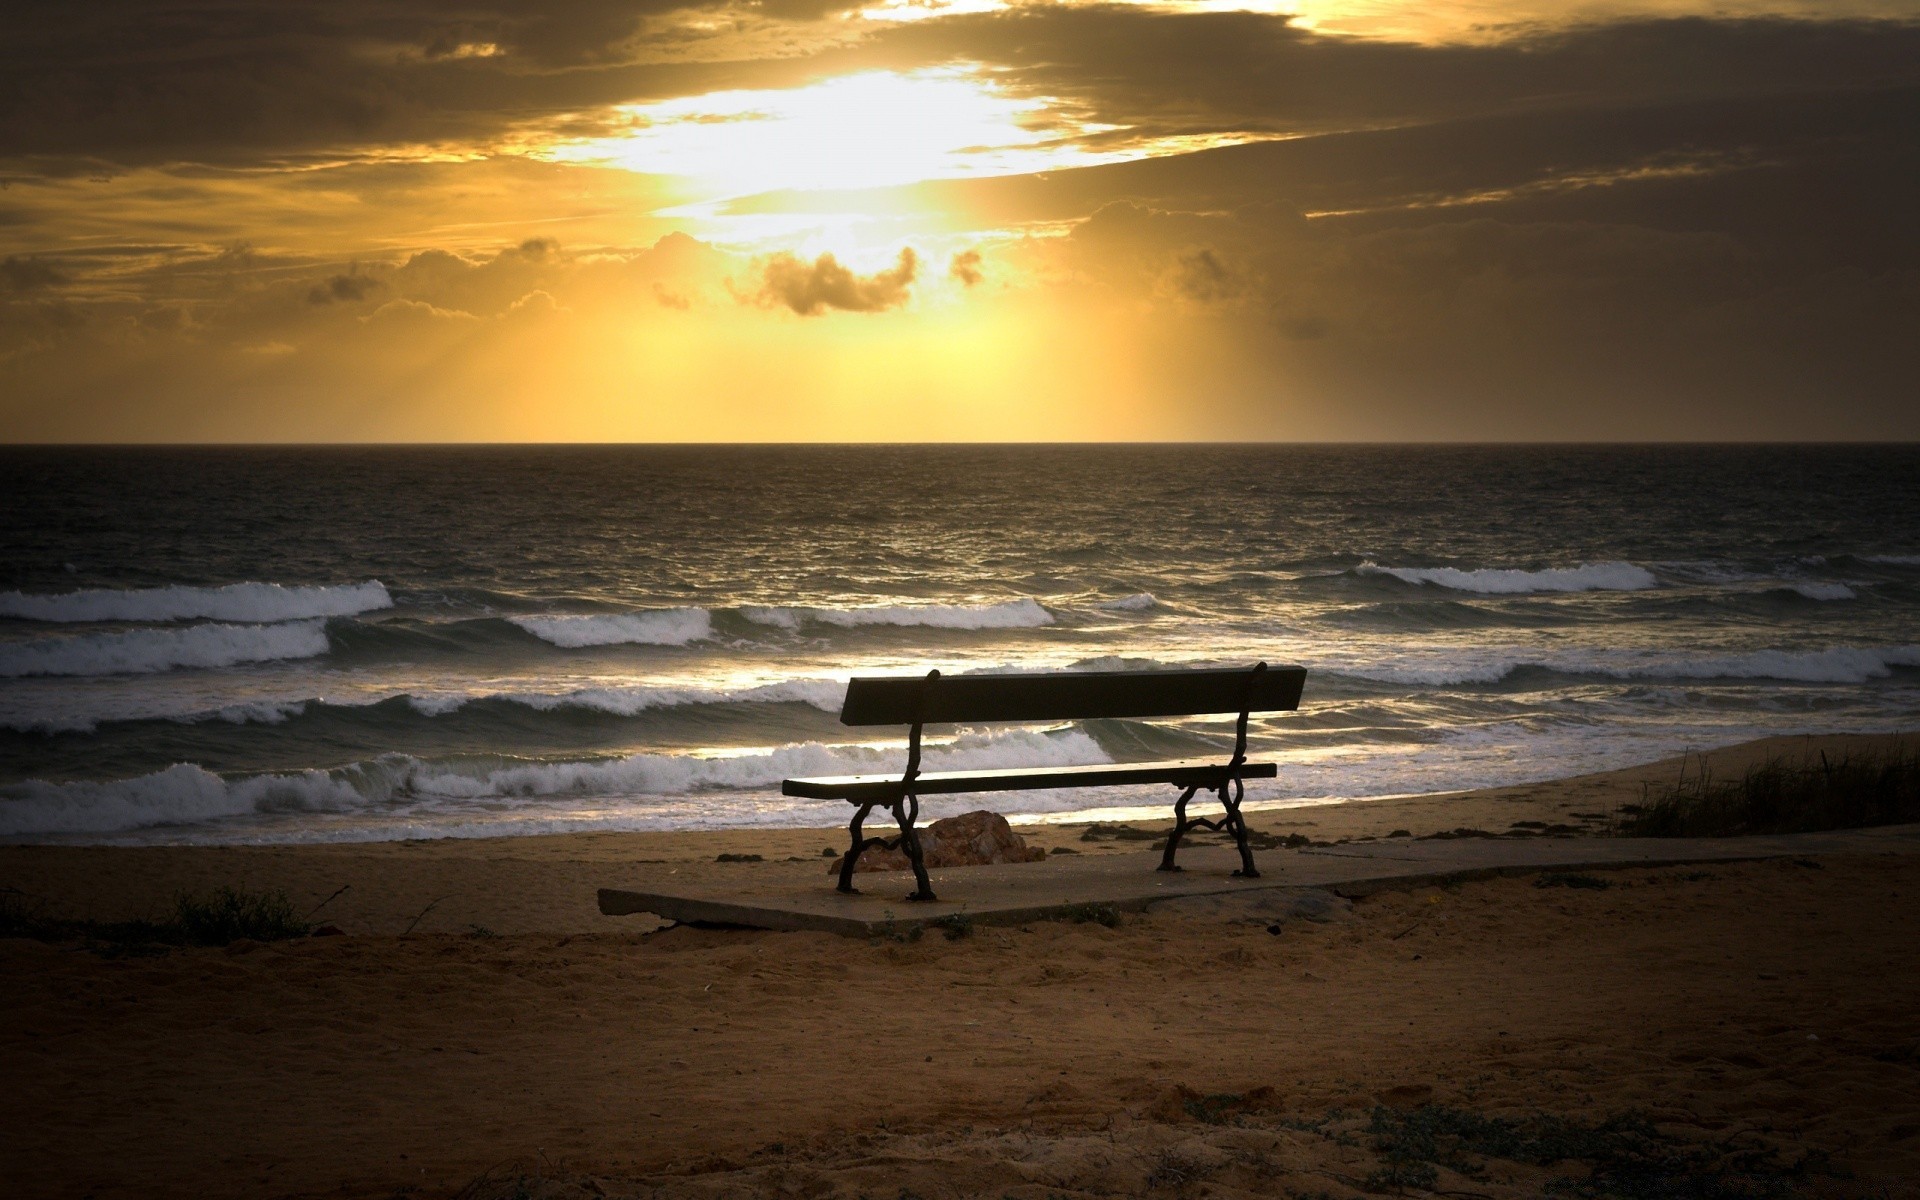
point(1074, 696)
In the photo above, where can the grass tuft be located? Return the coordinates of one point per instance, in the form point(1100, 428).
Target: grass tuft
point(1095, 914)
point(1625, 1156)
point(1562, 879)
point(956, 927)
point(216, 918)
point(229, 914)
point(1783, 796)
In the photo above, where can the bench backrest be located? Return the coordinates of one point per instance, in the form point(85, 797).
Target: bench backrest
point(1070, 696)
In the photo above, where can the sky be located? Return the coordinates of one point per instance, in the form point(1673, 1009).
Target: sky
point(960, 220)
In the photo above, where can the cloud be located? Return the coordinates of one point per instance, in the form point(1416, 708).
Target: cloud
point(344, 289)
point(117, 84)
point(965, 267)
point(811, 288)
point(1152, 71)
point(1200, 275)
point(20, 276)
point(416, 312)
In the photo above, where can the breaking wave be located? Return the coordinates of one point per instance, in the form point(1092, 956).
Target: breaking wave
point(251, 602)
point(663, 627)
point(1838, 664)
point(1024, 613)
point(185, 793)
point(1140, 602)
point(146, 651)
point(1491, 581)
point(1823, 591)
point(823, 694)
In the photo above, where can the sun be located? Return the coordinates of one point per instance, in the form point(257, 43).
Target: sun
point(868, 130)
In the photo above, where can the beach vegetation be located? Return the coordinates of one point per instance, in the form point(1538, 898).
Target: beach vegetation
point(1782, 796)
point(1625, 1156)
point(955, 927)
point(217, 918)
point(1092, 914)
point(1172, 1169)
point(1564, 880)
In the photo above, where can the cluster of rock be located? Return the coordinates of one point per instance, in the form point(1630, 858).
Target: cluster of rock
point(972, 839)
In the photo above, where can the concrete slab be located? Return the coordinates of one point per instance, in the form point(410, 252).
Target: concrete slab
point(1056, 888)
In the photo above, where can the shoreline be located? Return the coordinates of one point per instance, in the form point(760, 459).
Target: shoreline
point(547, 883)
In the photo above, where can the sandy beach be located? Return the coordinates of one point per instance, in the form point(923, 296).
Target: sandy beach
point(481, 1028)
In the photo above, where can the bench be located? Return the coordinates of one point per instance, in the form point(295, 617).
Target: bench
point(1074, 696)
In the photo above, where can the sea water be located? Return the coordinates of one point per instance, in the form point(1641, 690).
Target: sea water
point(349, 644)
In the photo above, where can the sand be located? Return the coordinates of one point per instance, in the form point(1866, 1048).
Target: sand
point(516, 1042)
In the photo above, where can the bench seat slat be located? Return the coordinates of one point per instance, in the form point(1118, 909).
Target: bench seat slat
point(859, 789)
point(1069, 695)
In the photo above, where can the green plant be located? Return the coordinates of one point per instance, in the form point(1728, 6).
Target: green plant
point(211, 919)
point(957, 926)
point(228, 915)
point(1782, 796)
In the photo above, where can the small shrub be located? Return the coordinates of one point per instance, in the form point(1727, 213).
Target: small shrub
point(228, 914)
point(956, 927)
point(1096, 914)
point(213, 919)
point(1782, 796)
point(1559, 879)
point(1172, 1170)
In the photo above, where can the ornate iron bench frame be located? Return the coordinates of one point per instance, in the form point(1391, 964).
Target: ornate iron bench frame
point(1028, 697)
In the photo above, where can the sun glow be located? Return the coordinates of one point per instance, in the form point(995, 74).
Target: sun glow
point(873, 129)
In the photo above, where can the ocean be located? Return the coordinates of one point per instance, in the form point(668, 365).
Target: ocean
point(347, 644)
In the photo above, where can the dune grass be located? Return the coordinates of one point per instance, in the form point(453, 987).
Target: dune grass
point(1782, 796)
point(217, 918)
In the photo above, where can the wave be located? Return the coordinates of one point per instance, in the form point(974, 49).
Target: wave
point(188, 794)
point(1588, 577)
point(147, 651)
point(663, 627)
point(1024, 613)
point(823, 694)
point(1837, 664)
point(1823, 591)
point(1139, 602)
point(250, 602)
point(1894, 560)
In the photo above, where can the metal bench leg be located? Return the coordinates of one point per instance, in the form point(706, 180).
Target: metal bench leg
point(904, 812)
point(1238, 824)
point(859, 844)
point(1179, 829)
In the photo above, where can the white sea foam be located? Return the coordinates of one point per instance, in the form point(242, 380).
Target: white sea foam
point(185, 793)
point(1824, 591)
point(146, 651)
point(181, 794)
point(1024, 613)
point(661, 627)
point(1139, 602)
point(253, 602)
point(1896, 560)
point(1588, 577)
